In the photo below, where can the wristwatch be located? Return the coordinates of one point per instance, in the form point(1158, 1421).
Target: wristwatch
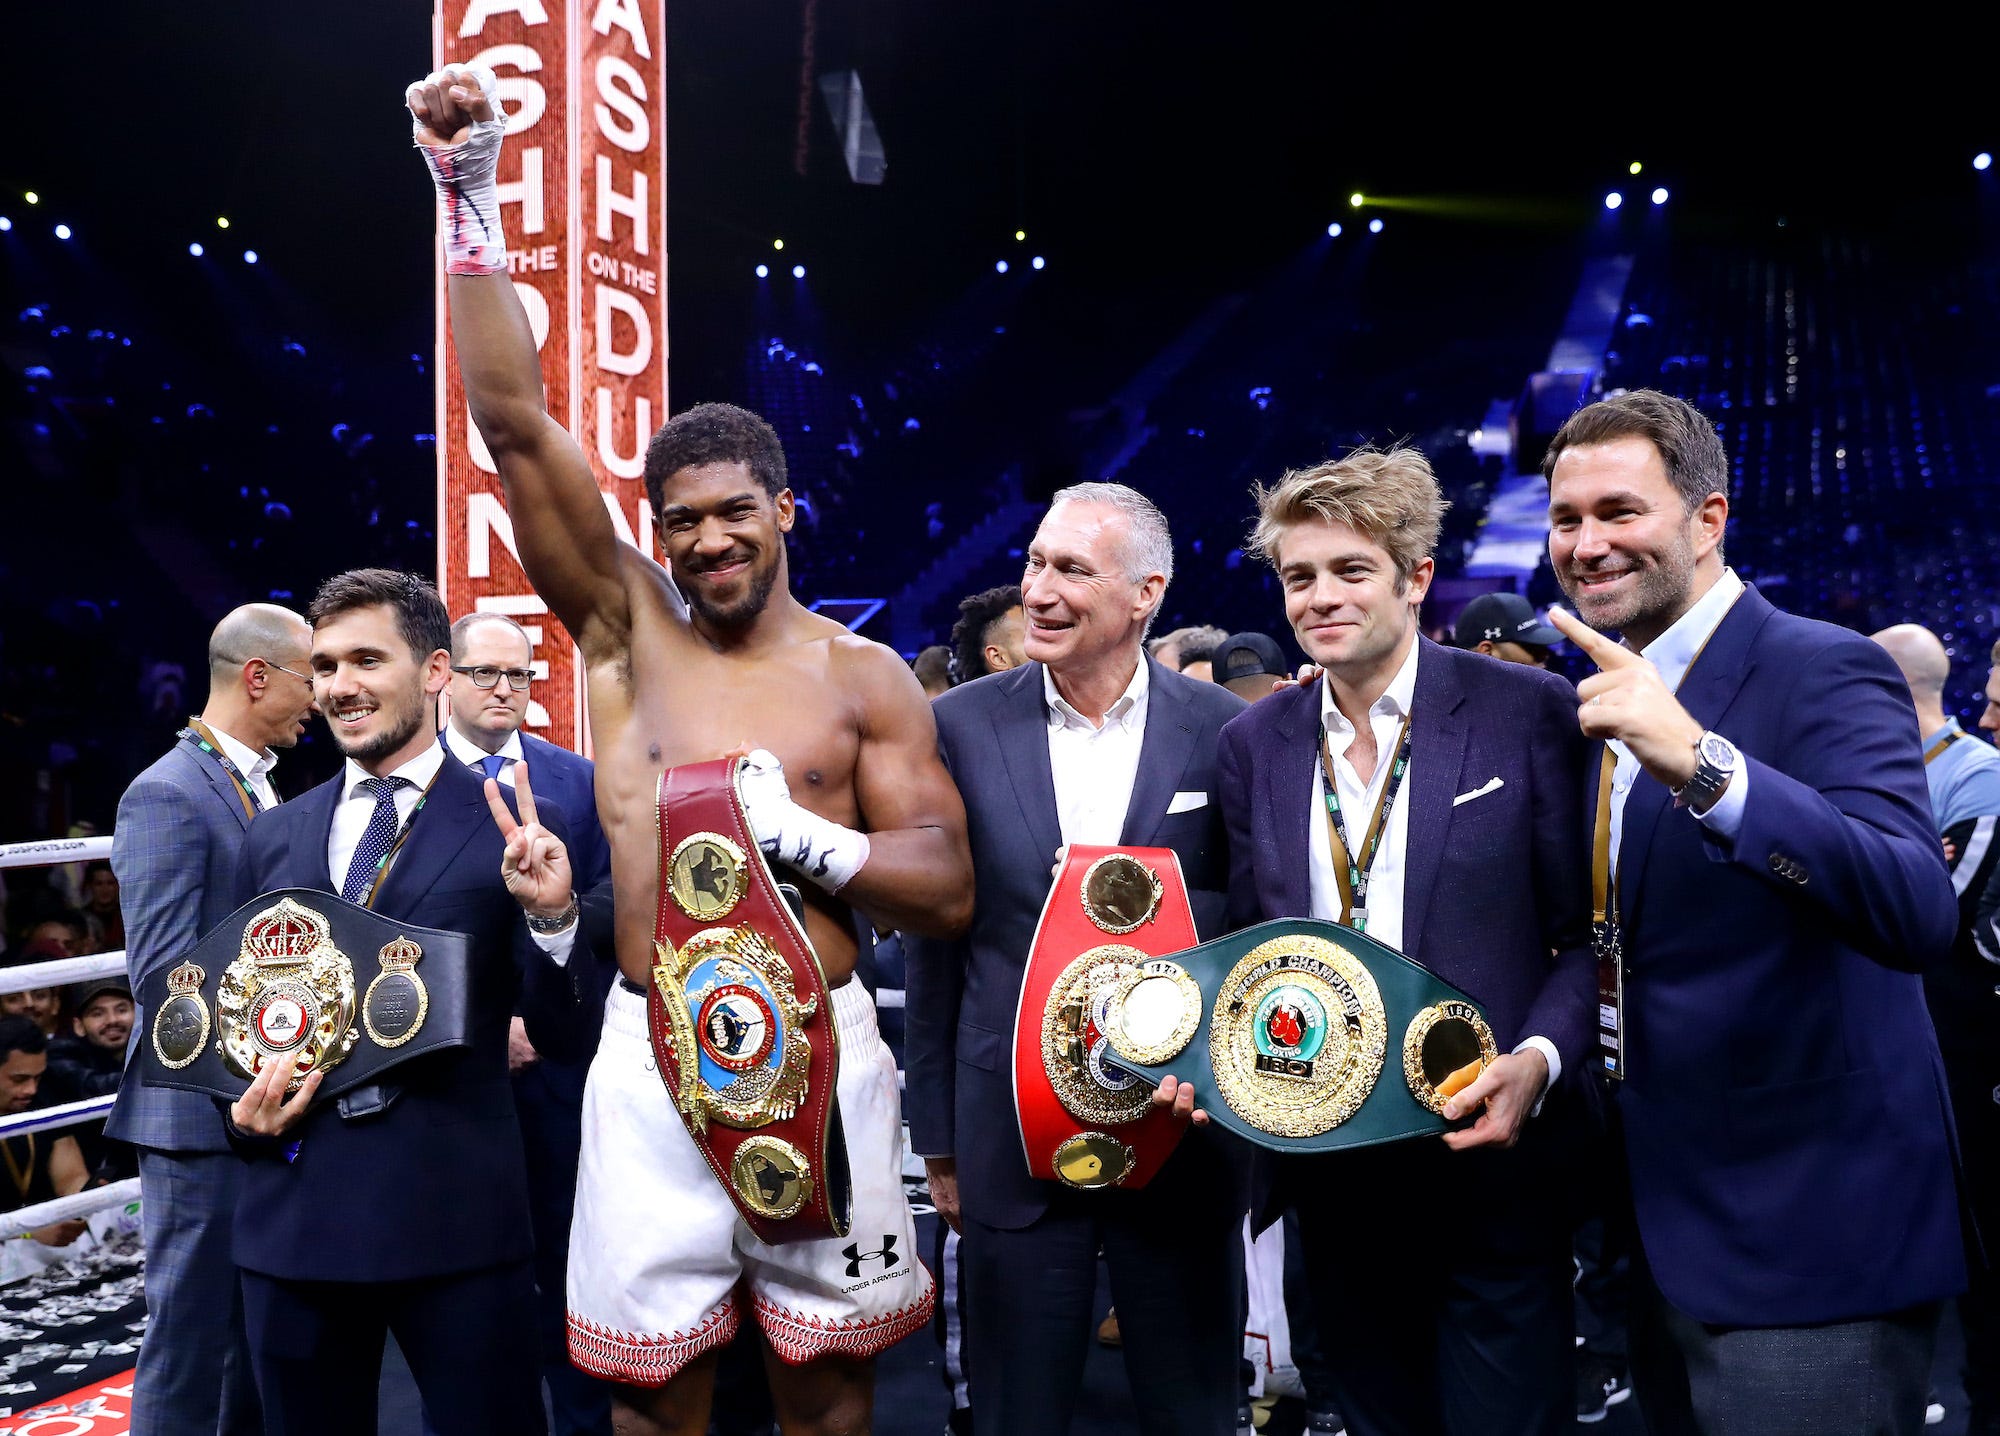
point(550, 926)
point(1716, 761)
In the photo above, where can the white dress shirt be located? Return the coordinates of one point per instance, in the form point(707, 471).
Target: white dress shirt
point(472, 755)
point(1357, 806)
point(357, 806)
point(1094, 765)
point(254, 766)
point(1673, 652)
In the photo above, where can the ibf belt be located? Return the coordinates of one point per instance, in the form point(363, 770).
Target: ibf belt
point(1085, 1120)
point(299, 972)
point(1284, 1028)
point(741, 1023)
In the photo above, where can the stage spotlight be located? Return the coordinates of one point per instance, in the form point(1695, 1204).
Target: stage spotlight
point(1355, 199)
point(763, 271)
point(32, 198)
point(195, 250)
point(798, 271)
point(1333, 231)
point(1020, 235)
point(1000, 266)
point(1982, 161)
point(777, 244)
point(1037, 261)
point(1374, 226)
point(5, 224)
point(1636, 167)
point(222, 221)
point(1660, 195)
point(1613, 200)
point(249, 256)
point(62, 231)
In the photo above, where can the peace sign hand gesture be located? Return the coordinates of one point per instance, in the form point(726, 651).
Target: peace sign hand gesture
point(1626, 699)
point(535, 865)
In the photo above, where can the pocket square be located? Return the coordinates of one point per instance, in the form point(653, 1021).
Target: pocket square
point(1187, 803)
point(1491, 785)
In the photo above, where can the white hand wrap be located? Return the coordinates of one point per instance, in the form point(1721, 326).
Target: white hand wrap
point(466, 182)
point(814, 847)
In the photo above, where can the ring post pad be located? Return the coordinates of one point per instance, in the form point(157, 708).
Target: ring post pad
point(740, 1018)
point(1295, 1022)
point(353, 993)
point(1113, 914)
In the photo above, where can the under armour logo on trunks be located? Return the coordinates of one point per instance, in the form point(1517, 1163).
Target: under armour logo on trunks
point(857, 1258)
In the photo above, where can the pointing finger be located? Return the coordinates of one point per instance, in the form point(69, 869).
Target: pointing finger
point(1596, 647)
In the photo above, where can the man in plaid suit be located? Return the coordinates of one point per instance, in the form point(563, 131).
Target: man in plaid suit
point(180, 828)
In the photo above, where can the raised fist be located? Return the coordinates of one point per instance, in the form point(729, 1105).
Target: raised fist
point(446, 104)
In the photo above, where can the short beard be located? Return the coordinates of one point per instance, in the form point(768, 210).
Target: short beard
point(741, 613)
point(1658, 597)
point(368, 750)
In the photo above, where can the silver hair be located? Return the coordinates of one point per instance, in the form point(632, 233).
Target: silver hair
point(1149, 548)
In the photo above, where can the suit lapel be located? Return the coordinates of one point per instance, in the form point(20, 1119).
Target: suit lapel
point(1021, 726)
point(1437, 756)
point(1288, 794)
point(1709, 687)
point(1164, 751)
point(451, 815)
point(226, 791)
point(315, 822)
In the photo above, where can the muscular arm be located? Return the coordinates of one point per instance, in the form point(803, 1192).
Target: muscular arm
point(918, 877)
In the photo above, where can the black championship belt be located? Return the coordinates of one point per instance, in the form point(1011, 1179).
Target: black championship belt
point(299, 971)
point(741, 1022)
point(1287, 1037)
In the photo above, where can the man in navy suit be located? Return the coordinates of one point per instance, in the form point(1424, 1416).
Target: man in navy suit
point(1778, 887)
point(492, 665)
point(180, 831)
point(403, 1207)
point(1426, 796)
point(1089, 742)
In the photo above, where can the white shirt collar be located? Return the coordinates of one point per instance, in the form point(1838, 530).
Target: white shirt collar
point(1673, 652)
point(420, 770)
point(251, 764)
point(1394, 702)
point(470, 753)
point(1128, 709)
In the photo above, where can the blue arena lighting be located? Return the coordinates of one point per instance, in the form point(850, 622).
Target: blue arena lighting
point(5, 224)
point(798, 271)
point(1333, 231)
point(1038, 262)
point(1660, 195)
point(763, 271)
point(1613, 200)
point(249, 256)
point(62, 231)
point(1982, 161)
point(1000, 266)
point(1374, 226)
point(196, 250)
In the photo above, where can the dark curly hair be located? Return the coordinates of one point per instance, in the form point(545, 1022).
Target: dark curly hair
point(976, 615)
point(713, 434)
point(420, 614)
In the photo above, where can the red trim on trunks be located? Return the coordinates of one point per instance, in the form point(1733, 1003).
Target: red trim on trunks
point(799, 1338)
point(647, 1360)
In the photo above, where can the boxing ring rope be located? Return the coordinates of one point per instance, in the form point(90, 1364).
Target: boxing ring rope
point(53, 850)
point(90, 1199)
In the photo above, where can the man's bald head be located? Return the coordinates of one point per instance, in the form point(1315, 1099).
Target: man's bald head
point(1920, 654)
point(256, 630)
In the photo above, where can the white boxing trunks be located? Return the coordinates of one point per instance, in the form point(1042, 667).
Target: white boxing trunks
point(659, 1259)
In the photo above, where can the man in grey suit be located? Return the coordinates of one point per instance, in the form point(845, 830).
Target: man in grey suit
point(1090, 742)
point(180, 827)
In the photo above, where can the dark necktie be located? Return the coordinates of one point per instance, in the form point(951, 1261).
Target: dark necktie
point(376, 839)
point(493, 765)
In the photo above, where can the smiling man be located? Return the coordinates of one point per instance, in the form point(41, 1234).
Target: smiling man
point(1428, 797)
point(1092, 742)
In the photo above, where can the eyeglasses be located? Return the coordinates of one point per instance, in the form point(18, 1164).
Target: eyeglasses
point(269, 663)
point(483, 677)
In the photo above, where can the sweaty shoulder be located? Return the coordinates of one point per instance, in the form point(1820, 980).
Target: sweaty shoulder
point(874, 674)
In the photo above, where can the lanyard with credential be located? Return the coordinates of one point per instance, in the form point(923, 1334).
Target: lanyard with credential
point(1351, 869)
point(197, 733)
point(382, 864)
point(1606, 938)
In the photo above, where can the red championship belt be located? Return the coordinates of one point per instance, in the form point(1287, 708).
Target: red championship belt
point(741, 1023)
point(1085, 1121)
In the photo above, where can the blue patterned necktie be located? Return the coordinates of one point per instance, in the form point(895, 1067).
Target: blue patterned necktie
point(376, 840)
point(493, 765)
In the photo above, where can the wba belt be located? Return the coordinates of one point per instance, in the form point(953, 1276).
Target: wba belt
point(299, 971)
point(740, 1020)
point(1287, 1029)
point(1085, 1120)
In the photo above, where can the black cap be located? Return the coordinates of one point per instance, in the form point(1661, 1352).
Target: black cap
point(1245, 655)
point(82, 994)
point(1503, 618)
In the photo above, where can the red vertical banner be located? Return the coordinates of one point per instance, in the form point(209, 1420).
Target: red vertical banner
point(583, 199)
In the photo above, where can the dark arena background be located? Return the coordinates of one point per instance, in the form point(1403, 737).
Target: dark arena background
point(960, 255)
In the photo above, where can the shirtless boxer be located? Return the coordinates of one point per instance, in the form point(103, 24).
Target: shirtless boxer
point(846, 785)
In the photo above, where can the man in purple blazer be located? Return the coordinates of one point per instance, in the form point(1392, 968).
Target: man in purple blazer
point(1428, 797)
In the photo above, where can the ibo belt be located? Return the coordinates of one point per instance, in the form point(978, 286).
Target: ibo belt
point(300, 972)
point(740, 1019)
point(1284, 1028)
point(1084, 1120)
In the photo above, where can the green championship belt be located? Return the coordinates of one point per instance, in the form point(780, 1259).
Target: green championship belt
point(1285, 1039)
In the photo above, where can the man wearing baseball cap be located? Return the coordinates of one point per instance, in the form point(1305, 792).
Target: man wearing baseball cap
point(86, 1059)
point(1506, 626)
point(1248, 663)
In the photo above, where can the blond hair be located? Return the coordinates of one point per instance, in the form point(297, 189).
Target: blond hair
point(1388, 496)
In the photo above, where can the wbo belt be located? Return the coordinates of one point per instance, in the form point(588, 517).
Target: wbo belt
point(1085, 1120)
point(1283, 1030)
point(351, 992)
point(741, 1025)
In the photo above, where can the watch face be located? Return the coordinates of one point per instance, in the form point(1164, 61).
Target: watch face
point(1717, 751)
